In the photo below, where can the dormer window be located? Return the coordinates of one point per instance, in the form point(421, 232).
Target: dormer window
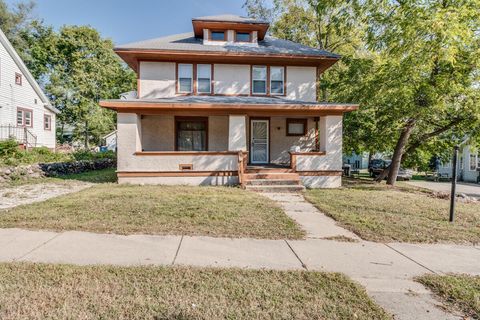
point(217, 36)
point(242, 37)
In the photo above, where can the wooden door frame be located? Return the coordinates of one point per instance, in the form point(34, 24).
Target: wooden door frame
point(250, 138)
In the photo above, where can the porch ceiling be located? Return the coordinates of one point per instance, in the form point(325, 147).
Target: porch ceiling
point(227, 105)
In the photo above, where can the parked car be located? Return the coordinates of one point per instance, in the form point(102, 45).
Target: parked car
point(377, 166)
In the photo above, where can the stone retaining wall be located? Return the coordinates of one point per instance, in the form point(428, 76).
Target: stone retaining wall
point(54, 169)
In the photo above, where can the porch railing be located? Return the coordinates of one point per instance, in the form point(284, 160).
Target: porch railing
point(242, 165)
point(20, 134)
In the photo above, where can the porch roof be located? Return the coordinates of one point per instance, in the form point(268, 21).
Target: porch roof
point(228, 104)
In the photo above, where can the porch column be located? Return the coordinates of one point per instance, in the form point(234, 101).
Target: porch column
point(330, 131)
point(129, 128)
point(237, 133)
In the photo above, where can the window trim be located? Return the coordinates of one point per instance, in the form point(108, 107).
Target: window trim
point(268, 80)
point(249, 36)
point(303, 121)
point(225, 35)
point(49, 117)
point(211, 79)
point(24, 111)
point(177, 79)
point(179, 119)
point(18, 76)
point(283, 81)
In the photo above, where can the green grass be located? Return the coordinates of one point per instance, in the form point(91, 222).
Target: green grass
point(129, 209)
point(459, 291)
point(38, 291)
point(380, 213)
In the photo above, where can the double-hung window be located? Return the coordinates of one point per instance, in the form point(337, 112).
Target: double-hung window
point(242, 37)
point(185, 78)
point(47, 122)
point(217, 36)
point(259, 80)
point(473, 162)
point(204, 78)
point(24, 117)
point(277, 80)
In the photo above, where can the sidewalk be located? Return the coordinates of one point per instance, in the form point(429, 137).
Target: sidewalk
point(386, 270)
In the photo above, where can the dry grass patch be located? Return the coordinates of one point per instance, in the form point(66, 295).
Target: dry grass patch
point(377, 212)
point(459, 291)
point(37, 291)
point(128, 209)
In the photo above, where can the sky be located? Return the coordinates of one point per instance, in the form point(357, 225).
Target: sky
point(126, 21)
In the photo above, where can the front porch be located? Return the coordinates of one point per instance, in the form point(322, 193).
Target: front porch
point(229, 144)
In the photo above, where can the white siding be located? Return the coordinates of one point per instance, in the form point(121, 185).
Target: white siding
point(13, 96)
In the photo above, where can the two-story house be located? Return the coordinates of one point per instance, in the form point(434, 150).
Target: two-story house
point(26, 114)
point(227, 104)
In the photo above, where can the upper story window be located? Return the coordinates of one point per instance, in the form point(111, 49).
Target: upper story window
point(473, 162)
point(185, 78)
point(47, 122)
point(217, 35)
point(24, 117)
point(277, 80)
point(204, 78)
point(242, 37)
point(259, 80)
point(18, 78)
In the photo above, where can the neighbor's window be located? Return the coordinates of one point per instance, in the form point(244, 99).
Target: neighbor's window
point(185, 78)
point(47, 122)
point(217, 36)
point(242, 37)
point(191, 134)
point(259, 80)
point(204, 78)
point(473, 162)
point(18, 78)
point(296, 127)
point(24, 117)
point(277, 80)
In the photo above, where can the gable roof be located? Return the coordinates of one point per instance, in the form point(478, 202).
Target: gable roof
point(23, 68)
point(188, 42)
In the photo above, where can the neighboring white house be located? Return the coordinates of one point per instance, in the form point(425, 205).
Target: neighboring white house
point(111, 141)
point(357, 161)
point(227, 104)
point(468, 165)
point(25, 112)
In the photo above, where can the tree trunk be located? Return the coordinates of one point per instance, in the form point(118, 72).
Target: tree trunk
point(86, 134)
point(399, 150)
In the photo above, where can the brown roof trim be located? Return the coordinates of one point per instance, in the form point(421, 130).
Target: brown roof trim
point(146, 107)
point(132, 56)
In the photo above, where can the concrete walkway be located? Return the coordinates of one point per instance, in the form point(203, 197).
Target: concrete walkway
point(386, 270)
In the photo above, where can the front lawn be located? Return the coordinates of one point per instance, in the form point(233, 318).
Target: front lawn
point(377, 212)
point(38, 291)
point(459, 291)
point(129, 209)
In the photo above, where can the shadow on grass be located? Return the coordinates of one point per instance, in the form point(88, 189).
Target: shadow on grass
point(96, 176)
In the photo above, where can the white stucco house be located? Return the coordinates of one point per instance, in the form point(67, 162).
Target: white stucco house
point(468, 165)
point(25, 112)
point(227, 104)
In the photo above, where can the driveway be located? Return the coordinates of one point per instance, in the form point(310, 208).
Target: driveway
point(470, 189)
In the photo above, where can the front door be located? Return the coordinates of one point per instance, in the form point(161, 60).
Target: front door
point(259, 141)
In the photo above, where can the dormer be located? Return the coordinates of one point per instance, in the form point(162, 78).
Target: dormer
point(229, 30)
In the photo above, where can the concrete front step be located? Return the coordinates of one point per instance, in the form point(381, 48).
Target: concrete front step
point(269, 170)
point(275, 188)
point(274, 176)
point(272, 182)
